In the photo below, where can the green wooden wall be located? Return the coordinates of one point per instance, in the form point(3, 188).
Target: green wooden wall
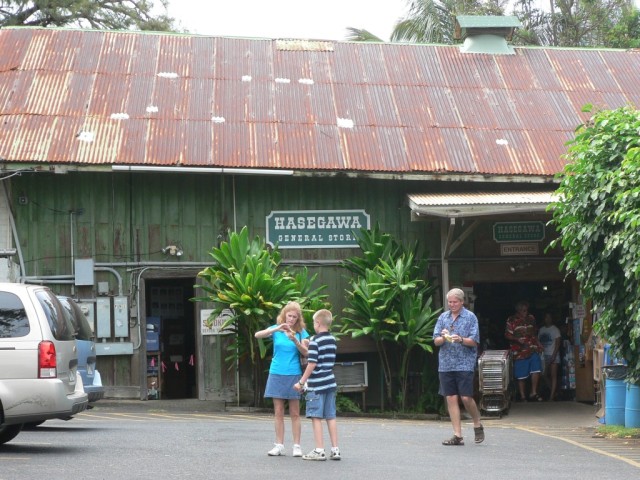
point(129, 217)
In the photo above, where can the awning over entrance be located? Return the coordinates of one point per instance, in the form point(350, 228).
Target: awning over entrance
point(475, 204)
point(450, 206)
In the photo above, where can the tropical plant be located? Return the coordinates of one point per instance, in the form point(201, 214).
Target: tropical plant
point(432, 21)
point(419, 317)
point(101, 14)
point(374, 245)
point(311, 299)
point(247, 279)
point(598, 218)
point(389, 302)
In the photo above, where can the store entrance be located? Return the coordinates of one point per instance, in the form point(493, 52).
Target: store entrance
point(171, 361)
point(495, 302)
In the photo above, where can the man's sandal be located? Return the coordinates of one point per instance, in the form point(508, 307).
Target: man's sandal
point(455, 440)
point(479, 432)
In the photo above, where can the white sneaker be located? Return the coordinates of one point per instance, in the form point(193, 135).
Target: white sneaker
point(278, 449)
point(297, 451)
point(335, 454)
point(315, 455)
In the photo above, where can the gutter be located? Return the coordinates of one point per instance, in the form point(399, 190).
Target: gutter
point(405, 176)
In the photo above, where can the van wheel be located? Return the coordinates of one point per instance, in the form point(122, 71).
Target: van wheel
point(9, 432)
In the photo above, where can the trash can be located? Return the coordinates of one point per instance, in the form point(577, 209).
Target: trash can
point(608, 359)
point(615, 394)
point(632, 406)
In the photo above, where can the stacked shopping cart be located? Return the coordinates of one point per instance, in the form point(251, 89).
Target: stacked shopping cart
point(494, 372)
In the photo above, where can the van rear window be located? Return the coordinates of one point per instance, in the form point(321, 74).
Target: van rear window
point(78, 319)
point(13, 318)
point(59, 323)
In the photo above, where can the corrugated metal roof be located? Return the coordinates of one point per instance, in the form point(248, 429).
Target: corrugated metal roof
point(122, 98)
point(479, 203)
point(481, 198)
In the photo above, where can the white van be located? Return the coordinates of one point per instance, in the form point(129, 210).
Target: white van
point(39, 377)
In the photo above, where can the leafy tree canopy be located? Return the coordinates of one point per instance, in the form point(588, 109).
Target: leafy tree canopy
point(98, 14)
point(570, 23)
point(598, 218)
point(560, 23)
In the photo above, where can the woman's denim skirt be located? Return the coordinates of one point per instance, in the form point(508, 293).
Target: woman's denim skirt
point(281, 386)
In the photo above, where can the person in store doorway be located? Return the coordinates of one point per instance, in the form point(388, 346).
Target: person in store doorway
point(456, 333)
point(521, 332)
point(550, 337)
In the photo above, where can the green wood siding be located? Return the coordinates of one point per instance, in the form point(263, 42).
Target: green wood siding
point(130, 217)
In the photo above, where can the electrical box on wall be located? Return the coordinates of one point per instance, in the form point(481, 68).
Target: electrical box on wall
point(103, 317)
point(84, 271)
point(88, 308)
point(103, 288)
point(120, 317)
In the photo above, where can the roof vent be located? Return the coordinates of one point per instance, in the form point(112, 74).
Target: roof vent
point(486, 34)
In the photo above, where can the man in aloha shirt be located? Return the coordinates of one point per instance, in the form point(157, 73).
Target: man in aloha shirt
point(521, 331)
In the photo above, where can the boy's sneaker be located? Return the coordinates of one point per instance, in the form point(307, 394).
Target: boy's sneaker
point(278, 449)
point(297, 451)
point(335, 454)
point(315, 455)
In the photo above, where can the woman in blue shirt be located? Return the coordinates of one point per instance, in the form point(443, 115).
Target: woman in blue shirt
point(290, 341)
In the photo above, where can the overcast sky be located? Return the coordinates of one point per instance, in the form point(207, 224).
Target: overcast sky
point(324, 19)
point(311, 19)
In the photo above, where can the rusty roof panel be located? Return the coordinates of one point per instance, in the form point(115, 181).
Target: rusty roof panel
point(442, 107)
point(237, 57)
point(101, 98)
point(315, 66)
point(374, 69)
point(292, 103)
point(323, 108)
point(623, 65)
point(412, 105)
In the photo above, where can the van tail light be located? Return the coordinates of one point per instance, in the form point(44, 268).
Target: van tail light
point(47, 366)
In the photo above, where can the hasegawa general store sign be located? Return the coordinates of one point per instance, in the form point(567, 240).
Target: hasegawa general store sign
point(315, 228)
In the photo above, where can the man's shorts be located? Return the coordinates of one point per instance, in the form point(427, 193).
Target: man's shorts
point(456, 383)
point(524, 367)
point(321, 404)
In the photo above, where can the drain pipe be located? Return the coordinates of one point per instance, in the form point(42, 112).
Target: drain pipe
point(71, 240)
point(14, 231)
point(115, 273)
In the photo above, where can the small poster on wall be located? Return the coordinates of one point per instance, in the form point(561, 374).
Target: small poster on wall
point(213, 326)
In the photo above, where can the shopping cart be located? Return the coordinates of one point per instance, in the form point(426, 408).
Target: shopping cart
point(494, 373)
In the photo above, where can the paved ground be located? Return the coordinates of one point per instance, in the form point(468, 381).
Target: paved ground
point(571, 422)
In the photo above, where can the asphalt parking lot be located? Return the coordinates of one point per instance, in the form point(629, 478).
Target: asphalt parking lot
point(123, 440)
